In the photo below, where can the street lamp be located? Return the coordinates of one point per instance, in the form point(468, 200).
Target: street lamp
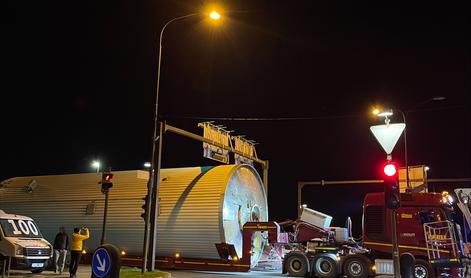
point(153, 186)
point(387, 113)
point(96, 164)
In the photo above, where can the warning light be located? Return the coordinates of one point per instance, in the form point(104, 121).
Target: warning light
point(106, 182)
point(177, 255)
point(390, 169)
point(107, 177)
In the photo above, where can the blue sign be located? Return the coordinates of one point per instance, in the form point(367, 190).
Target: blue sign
point(101, 262)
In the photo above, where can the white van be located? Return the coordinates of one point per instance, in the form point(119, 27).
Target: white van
point(21, 240)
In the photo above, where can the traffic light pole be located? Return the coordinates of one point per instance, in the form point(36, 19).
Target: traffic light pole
point(395, 248)
point(145, 251)
point(105, 215)
point(155, 201)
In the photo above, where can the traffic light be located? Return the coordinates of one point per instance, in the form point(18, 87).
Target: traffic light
point(106, 182)
point(144, 207)
point(392, 197)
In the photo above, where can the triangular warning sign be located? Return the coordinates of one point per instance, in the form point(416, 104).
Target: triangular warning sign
point(387, 135)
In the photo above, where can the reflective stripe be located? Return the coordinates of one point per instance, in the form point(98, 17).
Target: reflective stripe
point(259, 227)
point(405, 246)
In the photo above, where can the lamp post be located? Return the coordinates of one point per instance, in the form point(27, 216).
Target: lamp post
point(387, 113)
point(153, 184)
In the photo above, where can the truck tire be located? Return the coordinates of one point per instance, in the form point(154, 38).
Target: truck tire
point(296, 264)
point(423, 269)
point(325, 266)
point(356, 267)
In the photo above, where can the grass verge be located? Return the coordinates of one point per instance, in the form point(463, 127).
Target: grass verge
point(134, 272)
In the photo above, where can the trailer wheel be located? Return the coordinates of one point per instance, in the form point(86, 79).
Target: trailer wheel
point(356, 267)
point(325, 266)
point(296, 264)
point(423, 269)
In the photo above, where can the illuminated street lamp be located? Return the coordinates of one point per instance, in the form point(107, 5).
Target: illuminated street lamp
point(153, 186)
point(387, 113)
point(214, 15)
point(96, 164)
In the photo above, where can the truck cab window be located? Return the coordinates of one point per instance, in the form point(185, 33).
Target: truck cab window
point(430, 215)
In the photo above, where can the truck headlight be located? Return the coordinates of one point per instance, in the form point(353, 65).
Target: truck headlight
point(18, 250)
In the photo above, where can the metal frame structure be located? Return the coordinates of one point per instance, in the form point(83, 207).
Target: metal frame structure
point(440, 236)
point(150, 234)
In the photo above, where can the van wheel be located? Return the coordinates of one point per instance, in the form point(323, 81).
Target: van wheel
point(37, 271)
point(423, 269)
point(325, 267)
point(355, 267)
point(297, 265)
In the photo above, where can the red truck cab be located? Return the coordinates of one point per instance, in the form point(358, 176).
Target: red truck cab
point(424, 228)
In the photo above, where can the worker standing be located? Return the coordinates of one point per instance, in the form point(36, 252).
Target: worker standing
point(76, 249)
point(61, 243)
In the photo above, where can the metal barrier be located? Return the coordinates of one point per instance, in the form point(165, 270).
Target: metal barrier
point(440, 238)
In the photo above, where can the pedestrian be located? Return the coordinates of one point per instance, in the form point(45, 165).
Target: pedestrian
point(76, 249)
point(61, 244)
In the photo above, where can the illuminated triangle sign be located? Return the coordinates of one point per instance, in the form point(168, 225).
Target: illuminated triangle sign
point(387, 135)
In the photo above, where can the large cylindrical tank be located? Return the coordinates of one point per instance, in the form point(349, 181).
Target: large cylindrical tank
point(199, 207)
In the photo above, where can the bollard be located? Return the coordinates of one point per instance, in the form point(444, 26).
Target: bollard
point(407, 265)
point(106, 262)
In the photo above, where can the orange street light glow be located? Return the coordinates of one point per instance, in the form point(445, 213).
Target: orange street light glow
point(214, 15)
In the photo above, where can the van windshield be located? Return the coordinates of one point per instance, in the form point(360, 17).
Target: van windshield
point(20, 228)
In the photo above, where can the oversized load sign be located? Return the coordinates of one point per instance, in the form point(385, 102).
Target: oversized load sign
point(218, 135)
point(246, 147)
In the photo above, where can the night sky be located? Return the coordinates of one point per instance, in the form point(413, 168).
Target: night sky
point(78, 83)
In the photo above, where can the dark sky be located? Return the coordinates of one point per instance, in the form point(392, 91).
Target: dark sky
point(78, 83)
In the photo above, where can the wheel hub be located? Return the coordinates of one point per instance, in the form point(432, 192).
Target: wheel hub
point(355, 268)
point(420, 272)
point(326, 266)
point(296, 265)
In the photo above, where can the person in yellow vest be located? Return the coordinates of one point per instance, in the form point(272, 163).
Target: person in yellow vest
point(76, 248)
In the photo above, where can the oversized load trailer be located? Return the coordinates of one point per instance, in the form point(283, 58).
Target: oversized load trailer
point(198, 208)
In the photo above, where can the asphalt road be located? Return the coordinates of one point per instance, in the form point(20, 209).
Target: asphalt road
point(84, 272)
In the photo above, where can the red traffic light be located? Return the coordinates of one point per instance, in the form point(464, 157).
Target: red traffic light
point(107, 177)
point(390, 169)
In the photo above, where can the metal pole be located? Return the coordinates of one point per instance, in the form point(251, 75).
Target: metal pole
point(105, 215)
point(145, 251)
point(154, 141)
point(405, 149)
point(156, 201)
point(300, 188)
point(265, 177)
point(395, 248)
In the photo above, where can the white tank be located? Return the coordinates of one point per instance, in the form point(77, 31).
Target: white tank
point(199, 207)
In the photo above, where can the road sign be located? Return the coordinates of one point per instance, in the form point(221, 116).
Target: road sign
point(387, 135)
point(245, 146)
point(101, 262)
point(218, 135)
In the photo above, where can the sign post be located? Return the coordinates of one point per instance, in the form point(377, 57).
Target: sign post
point(387, 136)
